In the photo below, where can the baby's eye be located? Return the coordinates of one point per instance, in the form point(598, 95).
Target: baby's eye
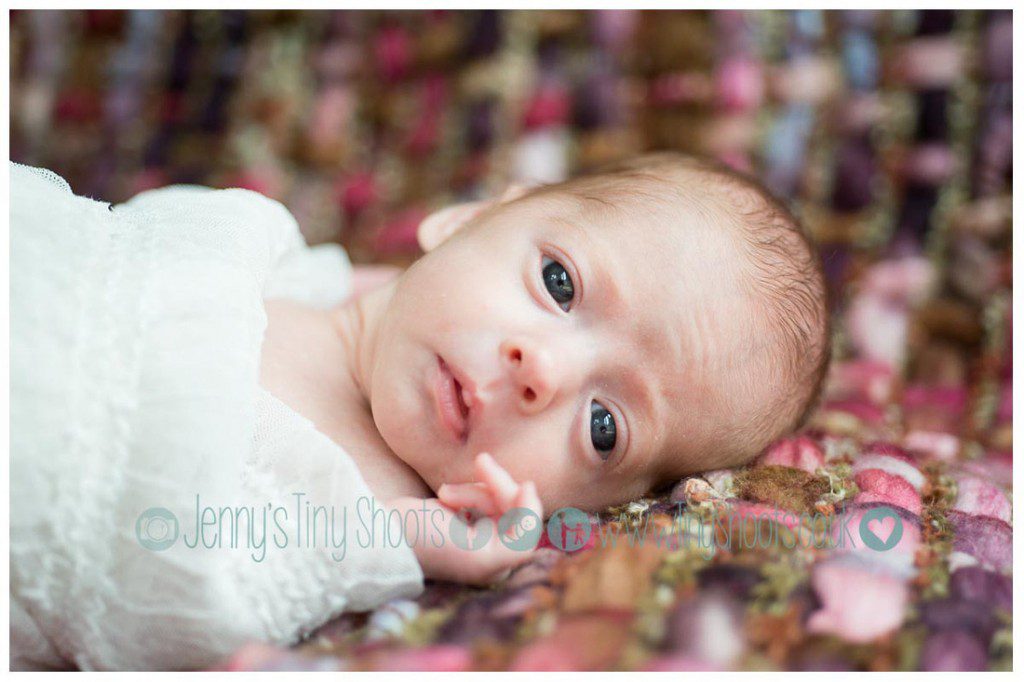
point(558, 282)
point(602, 429)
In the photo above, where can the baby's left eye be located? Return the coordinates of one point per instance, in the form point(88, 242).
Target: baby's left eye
point(602, 429)
point(558, 282)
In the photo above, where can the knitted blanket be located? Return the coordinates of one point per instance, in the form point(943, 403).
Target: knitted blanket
point(858, 544)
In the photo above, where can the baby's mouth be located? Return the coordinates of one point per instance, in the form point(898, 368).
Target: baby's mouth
point(453, 401)
point(460, 394)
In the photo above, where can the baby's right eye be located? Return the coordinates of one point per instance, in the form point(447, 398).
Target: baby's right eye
point(558, 282)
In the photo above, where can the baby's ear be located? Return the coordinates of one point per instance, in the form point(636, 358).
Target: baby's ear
point(443, 223)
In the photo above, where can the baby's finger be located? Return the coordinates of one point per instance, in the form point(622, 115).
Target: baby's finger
point(501, 484)
point(504, 554)
point(528, 498)
point(467, 495)
point(528, 501)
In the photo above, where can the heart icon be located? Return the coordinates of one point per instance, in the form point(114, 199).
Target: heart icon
point(882, 528)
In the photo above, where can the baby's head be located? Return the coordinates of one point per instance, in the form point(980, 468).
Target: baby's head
point(603, 335)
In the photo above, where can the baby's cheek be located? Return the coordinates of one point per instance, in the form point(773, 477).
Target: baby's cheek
point(535, 464)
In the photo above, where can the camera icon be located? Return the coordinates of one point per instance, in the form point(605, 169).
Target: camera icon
point(156, 529)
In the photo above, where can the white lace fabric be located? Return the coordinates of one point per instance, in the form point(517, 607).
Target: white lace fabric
point(135, 343)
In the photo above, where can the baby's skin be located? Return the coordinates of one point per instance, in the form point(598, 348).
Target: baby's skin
point(548, 350)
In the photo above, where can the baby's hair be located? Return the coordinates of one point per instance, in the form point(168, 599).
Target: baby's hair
point(788, 273)
point(784, 271)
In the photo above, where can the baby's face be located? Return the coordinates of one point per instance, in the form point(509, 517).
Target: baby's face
point(581, 346)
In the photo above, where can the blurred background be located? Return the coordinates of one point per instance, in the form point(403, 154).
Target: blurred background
point(889, 132)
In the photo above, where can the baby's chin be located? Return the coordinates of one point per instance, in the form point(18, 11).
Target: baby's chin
point(424, 459)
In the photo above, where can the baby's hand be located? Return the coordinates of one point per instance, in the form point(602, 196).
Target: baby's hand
point(493, 494)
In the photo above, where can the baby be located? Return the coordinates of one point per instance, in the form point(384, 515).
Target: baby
point(575, 344)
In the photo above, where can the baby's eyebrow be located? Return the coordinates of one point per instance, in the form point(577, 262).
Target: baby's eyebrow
point(575, 226)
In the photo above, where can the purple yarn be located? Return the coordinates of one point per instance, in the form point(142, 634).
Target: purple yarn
point(988, 540)
point(953, 650)
point(977, 584)
point(973, 617)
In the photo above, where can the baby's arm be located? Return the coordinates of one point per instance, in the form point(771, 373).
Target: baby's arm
point(494, 493)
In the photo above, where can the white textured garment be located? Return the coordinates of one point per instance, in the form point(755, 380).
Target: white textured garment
point(135, 345)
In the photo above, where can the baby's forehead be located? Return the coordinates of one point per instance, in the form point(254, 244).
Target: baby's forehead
point(649, 207)
point(667, 264)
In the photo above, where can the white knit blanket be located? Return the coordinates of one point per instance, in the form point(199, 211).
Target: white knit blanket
point(135, 346)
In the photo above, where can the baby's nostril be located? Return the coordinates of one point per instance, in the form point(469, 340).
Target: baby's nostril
point(529, 395)
point(516, 356)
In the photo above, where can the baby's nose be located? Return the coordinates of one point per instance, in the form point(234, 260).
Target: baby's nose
point(535, 374)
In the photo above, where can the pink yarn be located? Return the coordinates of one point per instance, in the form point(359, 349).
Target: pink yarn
point(800, 453)
point(880, 486)
point(857, 605)
point(977, 496)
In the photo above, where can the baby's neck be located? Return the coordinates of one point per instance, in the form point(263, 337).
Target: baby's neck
point(357, 324)
point(319, 363)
